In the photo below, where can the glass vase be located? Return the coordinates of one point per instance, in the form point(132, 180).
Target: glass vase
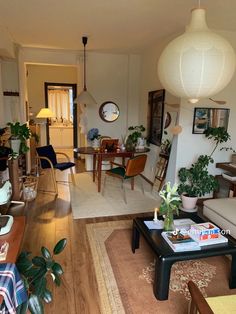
point(169, 221)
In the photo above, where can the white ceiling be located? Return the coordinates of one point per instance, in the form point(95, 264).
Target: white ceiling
point(111, 25)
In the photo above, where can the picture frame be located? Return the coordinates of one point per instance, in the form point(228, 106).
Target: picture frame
point(155, 116)
point(204, 118)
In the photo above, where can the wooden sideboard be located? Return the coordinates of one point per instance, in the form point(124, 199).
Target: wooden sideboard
point(227, 166)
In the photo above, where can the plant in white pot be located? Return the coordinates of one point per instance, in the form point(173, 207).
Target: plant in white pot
point(19, 134)
point(196, 181)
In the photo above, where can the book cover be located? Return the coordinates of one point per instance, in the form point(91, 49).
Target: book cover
point(180, 241)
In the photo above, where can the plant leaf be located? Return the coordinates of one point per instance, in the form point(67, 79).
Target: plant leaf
point(45, 252)
point(47, 297)
point(35, 305)
point(57, 269)
point(59, 247)
point(22, 309)
point(40, 287)
point(39, 261)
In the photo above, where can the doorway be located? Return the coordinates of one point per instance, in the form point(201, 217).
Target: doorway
point(61, 131)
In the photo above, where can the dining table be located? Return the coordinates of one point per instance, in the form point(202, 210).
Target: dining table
point(99, 155)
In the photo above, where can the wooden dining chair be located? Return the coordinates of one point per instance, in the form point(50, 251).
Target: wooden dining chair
point(134, 167)
point(47, 158)
point(109, 144)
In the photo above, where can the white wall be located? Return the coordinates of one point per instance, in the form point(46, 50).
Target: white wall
point(150, 82)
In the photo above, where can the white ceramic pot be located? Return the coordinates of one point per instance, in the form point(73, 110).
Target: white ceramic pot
point(15, 145)
point(96, 143)
point(189, 203)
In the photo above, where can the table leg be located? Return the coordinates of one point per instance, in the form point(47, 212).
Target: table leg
point(135, 238)
point(232, 280)
point(94, 167)
point(162, 278)
point(99, 172)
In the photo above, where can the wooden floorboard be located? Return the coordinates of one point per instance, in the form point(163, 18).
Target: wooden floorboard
point(48, 220)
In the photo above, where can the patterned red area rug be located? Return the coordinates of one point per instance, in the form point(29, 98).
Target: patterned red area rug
point(125, 280)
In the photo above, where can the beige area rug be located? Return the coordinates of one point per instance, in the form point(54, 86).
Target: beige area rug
point(86, 202)
point(125, 280)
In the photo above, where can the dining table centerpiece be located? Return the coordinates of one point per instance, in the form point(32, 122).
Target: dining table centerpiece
point(169, 204)
point(94, 137)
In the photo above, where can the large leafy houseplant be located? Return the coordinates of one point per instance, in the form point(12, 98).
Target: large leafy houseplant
point(35, 273)
point(197, 181)
point(20, 132)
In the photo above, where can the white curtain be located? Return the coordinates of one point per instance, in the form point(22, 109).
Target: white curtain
point(59, 103)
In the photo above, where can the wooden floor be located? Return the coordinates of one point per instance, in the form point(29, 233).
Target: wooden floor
point(49, 220)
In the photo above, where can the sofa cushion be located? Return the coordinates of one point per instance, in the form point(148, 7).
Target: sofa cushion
point(222, 212)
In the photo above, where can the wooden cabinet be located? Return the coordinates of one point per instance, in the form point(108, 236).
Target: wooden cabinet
point(61, 137)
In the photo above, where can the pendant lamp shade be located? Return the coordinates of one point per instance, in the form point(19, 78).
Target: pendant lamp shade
point(85, 97)
point(197, 64)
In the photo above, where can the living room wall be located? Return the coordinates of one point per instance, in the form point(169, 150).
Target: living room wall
point(187, 146)
point(114, 77)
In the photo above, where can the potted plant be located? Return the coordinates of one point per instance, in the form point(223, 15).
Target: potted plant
point(36, 273)
point(19, 134)
point(169, 204)
point(133, 138)
point(196, 180)
point(94, 136)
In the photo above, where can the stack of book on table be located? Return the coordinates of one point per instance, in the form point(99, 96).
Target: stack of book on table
point(193, 239)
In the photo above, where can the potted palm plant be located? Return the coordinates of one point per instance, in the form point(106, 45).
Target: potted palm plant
point(19, 134)
point(134, 137)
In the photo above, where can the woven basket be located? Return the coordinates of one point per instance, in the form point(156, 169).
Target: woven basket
point(30, 186)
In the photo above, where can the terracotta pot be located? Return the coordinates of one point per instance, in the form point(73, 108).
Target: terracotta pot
point(189, 203)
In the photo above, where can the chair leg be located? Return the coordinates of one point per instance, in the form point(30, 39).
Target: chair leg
point(124, 193)
point(104, 184)
point(54, 180)
point(142, 187)
point(72, 176)
point(132, 183)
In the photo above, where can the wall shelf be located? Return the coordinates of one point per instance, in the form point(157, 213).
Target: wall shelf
point(10, 93)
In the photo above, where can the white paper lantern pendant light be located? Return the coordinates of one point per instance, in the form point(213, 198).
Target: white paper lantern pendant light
point(197, 64)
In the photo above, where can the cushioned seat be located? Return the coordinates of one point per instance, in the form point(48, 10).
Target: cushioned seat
point(222, 211)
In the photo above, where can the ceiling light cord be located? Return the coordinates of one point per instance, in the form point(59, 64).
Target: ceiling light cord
point(85, 40)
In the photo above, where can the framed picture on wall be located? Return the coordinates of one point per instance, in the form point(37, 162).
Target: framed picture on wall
point(155, 116)
point(209, 117)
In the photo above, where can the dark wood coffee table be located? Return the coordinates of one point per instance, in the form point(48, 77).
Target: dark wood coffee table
point(166, 257)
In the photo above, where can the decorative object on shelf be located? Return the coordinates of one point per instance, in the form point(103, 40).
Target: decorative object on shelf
point(109, 111)
point(35, 272)
point(133, 138)
point(169, 205)
point(197, 64)
point(94, 137)
point(19, 134)
point(85, 97)
point(156, 100)
point(205, 118)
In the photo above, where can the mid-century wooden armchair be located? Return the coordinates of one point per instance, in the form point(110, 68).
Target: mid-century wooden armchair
point(134, 167)
point(210, 305)
point(47, 158)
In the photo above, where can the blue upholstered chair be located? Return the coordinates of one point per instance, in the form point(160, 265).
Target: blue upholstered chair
point(48, 159)
point(134, 167)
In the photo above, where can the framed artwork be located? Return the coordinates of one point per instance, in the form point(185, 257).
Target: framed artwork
point(155, 116)
point(209, 117)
